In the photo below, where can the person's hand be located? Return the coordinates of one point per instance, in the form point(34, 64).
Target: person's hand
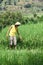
point(20, 38)
point(7, 36)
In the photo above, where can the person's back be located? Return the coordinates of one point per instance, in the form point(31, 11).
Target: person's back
point(12, 31)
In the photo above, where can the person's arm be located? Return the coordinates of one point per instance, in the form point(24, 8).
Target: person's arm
point(19, 35)
point(18, 32)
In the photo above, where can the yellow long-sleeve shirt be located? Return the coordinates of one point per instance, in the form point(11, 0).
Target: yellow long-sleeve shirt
point(13, 31)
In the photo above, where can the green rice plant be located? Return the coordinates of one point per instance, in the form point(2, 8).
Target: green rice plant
point(21, 57)
point(32, 35)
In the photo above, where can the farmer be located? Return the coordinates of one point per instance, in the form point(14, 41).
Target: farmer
point(12, 34)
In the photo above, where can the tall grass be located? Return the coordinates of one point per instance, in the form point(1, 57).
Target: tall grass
point(21, 57)
point(32, 36)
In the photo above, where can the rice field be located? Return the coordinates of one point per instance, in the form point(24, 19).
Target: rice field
point(28, 52)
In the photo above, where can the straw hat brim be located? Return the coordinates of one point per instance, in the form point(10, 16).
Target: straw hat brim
point(18, 23)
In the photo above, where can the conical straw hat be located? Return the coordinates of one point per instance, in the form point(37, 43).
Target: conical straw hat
point(17, 23)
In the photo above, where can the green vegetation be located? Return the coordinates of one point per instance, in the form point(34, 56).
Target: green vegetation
point(29, 51)
point(8, 18)
point(32, 36)
point(21, 57)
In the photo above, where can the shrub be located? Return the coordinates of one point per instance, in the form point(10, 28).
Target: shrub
point(8, 18)
point(36, 19)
